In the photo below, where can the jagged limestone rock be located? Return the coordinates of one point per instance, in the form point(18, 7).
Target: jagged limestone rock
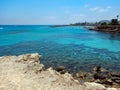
point(25, 72)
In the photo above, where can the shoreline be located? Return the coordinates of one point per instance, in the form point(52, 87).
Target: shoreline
point(98, 74)
point(99, 28)
point(23, 69)
point(55, 26)
point(106, 28)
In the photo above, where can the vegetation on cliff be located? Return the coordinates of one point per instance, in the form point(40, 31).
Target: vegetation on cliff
point(112, 26)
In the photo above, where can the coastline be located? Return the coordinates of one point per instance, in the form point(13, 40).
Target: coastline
point(106, 28)
point(99, 28)
point(27, 73)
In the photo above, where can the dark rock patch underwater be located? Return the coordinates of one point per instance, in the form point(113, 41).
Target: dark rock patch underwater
point(74, 57)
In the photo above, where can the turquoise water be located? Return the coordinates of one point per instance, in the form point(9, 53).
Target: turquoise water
point(74, 47)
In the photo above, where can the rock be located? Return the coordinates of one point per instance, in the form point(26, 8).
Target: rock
point(116, 74)
point(20, 58)
point(93, 86)
point(25, 72)
point(97, 69)
point(62, 72)
point(28, 57)
point(104, 70)
point(105, 82)
point(108, 82)
point(51, 70)
point(98, 81)
point(116, 85)
point(32, 57)
point(100, 69)
point(115, 79)
point(100, 76)
point(82, 75)
point(111, 89)
point(60, 68)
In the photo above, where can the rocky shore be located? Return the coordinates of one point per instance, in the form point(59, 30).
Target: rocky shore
point(106, 28)
point(25, 72)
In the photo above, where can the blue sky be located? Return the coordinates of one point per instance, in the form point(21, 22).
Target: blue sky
point(57, 11)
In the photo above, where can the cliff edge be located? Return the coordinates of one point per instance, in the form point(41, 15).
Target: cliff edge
point(25, 72)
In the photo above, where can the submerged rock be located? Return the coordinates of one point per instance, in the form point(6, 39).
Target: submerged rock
point(100, 69)
point(116, 74)
point(82, 75)
point(100, 76)
point(60, 68)
point(116, 79)
point(97, 69)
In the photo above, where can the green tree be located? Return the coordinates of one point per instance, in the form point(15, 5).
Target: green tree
point(104, 23)
point(114, 22)
point(117, 17)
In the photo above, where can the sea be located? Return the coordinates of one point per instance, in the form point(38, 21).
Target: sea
point(75, 47)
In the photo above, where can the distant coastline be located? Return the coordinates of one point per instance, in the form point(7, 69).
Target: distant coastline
point(75, 24)
point(112, 26)
point(106, 28)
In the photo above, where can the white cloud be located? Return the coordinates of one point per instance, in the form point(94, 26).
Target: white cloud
point(109, 7)
point(94, 9)
point(86, 5)
point(101, 9)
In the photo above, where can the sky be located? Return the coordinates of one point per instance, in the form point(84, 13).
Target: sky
point(46, 12)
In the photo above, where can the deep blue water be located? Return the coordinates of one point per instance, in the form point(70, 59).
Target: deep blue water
point(76, 48)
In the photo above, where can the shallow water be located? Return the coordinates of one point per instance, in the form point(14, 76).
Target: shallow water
point(74, 47)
